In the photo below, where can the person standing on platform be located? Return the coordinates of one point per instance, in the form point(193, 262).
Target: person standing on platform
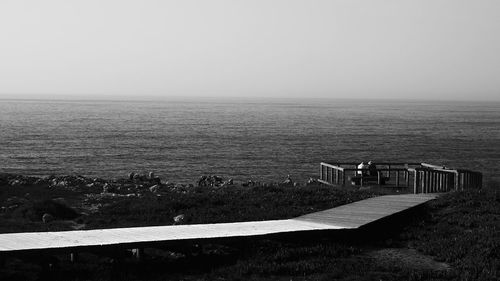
point(362, 165)
point(372, 169)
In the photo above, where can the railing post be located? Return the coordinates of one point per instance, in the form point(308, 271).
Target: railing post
point(434, 181)
point(416, 181)
point(397, 178)
point(430, 174)
point(343, 178)
point(440, 181)
point(407, 178)
point(73, 257)
point(424, 181)
point(329, 171)
point(321, 171)
point(445, 181)
point(138, 253)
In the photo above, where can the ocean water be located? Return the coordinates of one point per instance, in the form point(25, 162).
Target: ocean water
point(261, 140)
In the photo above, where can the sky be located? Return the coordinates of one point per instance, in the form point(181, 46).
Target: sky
point(421, 49)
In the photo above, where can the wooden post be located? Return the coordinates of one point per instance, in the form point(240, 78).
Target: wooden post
point(343, 178)
point(429, 181)
point(337, 176)
point(431, 175)
point(425, 178)
point(329, 172)
point(440, 181)
point(407, 178)
point(457, 180)
point(388, 172)
point(415, 181)
point(138, 253)
point(325, 173)
point(321, 172)
point(451, 183)
point(397, 178)
point(73, 257)
point(434, 181)
point(379, 178)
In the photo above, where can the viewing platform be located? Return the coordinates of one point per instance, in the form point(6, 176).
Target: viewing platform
point(420, 177)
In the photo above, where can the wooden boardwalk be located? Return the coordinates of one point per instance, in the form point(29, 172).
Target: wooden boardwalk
point(350, 216)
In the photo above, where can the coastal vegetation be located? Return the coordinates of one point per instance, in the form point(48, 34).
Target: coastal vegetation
point(456, 237)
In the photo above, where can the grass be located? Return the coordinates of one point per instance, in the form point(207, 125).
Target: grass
point(461, 229)
point(223, 205)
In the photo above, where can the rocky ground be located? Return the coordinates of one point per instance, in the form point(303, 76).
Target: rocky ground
point(72, 202)
point(453, 238)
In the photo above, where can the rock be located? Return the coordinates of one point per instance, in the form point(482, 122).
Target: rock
point(151, 175)
point(288, 181)
point(312, 181)
point(46, 218)
point(179, 219)
point(106, 188)
point(210, 181)
point(155, 188)
point(131, 176)
point(13, 207)
point(129, 186)
point(62, 184)
point(15, 182)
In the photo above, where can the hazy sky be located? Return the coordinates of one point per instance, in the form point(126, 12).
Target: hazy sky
point(445, 49)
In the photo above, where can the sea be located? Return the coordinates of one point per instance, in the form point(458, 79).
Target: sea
point(251, 139)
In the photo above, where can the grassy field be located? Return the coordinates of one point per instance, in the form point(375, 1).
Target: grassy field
point(456, 237)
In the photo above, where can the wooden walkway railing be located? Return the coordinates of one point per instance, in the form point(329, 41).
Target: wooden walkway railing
point(423, 177)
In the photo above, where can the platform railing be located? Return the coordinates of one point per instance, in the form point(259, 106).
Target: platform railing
point(423, 177)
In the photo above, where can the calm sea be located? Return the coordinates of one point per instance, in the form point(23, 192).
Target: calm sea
point(259, 140)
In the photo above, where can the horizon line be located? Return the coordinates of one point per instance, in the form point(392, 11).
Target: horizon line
point(153, 98)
